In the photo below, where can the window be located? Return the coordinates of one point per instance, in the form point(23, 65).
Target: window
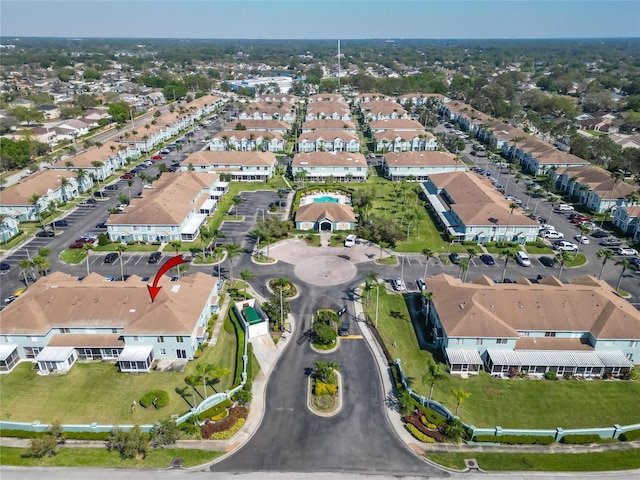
point(33, 339)
point(163, 351)
point(137, 339)
point(478, 341)
point(179, 339)
point(525, 334)
point(160, 339)
point(460, 341)
point(114, 330)
point(633, 344)
point(549, 334)
point(501, 341)
point(609, 343)
point(65, 330)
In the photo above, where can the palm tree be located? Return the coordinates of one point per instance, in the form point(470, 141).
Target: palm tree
point(427, 295)
point(563, 258)
point(507, 254)
point(24, 266)
point(98, 166)
point(371, 280)
point(246, 275)
point(605, 254)
point(512, 207)
point(192, 381)
point(428, 254)
point(121, 248)
point(236, 200)
point(233, 250)
point(203, 370)
point(460, 395)
point(35, 198)
point(626, 264)
point(205, 238)
point(464, 268)
point(87, 247)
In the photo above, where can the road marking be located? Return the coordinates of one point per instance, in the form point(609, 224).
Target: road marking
point(351, 337)
point(408, 260)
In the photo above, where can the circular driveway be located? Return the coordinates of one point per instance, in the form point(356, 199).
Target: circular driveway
point(325, 270)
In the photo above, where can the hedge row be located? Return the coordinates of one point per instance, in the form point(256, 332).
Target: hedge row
point(322, 388)
point(580, 439)
point(428, 424)
point(67, 435)
point(227, 434)
point(418, 434)
point(630, 436)
point(215, 411)
point(515, 439)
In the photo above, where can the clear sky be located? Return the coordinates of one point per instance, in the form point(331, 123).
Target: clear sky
point(321, 19)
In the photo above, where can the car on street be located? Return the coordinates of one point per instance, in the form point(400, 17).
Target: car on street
point(625, 251)
point(165, 151)
point(580, 219)
point(101, 225)
point(155, 257)
point(610, 242)
point(421, 285)
point(9, 299)
point(344, 329)
point(583, 239)
point(551, 234)
point(148, 186)
point(111, 257)
point(101, 194)
point(398, 284)
point(600, 234)
point(89, 202)
point(59, 223)
point(4, 266)
point(157, 157)
point(113, 186)
point(487, 259)
point(45, 234)
point(547, 261)
point(455, 258)
point(564, 246)
point(126, 176)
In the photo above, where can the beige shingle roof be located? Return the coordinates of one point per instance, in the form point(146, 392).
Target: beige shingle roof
point(336, 212)
point(426, 158)
point(328, 124)
point(84, 159)
point(396, 124)
point(249, 158)
point(39, 183)
point(328, 159)
point(60, 301)
point(500, 310)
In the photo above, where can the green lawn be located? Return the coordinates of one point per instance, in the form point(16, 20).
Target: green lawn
point(558, 462)
point(73, 255)
point(576, 260)
point(99, 392)
point(101, 457)
point(507, 403)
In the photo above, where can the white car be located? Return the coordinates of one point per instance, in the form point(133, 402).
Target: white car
point(546, 226)
point(398, 284)
point(583, 239)
point(148, 185)
point(626, 251)
point(565, 246)
point(551, 234)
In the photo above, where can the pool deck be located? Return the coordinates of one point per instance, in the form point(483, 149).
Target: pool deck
point(307, 199)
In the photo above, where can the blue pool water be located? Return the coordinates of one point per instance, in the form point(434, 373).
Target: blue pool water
point(325, 200)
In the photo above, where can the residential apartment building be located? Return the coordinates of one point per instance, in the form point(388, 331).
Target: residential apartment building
point(269, 111)
point(382, 110)
point(37, 192)
point(61, 319)
point(239, 166)
point(325, 124)
point(319, 166)
point(330, 110)
point(329, 141)
point(468, 208)
point(247, 140)
point(627, 219)
point(259, 125)
point(98, 162)
point(399, 125)
point(580, 328)
point(403, 141)
point(419, 165)
point(174, 209)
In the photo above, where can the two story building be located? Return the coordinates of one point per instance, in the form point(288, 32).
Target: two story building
point(247, 140)
point(382, 110)
point(174, 209)
point(330, 110)
point(61, 319)
point(325, 124)
point(402, 141)
point(253, 125)
point(239, 166)
point(98, 162)
point(419, 165)
point(582, 328)
point(468, 208)
point(269, 111)
point(320, 166)
point(329, 141)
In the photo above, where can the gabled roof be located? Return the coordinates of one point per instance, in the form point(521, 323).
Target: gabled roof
point(39, 183)
point(329, 159)
point(328, 136)
point(396, 124)
point(420, 158)
point(93, 154)
point(336, 212)
point(249, 158)
point(328, 124)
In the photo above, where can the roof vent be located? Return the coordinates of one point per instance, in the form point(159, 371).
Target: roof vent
point(462, 306)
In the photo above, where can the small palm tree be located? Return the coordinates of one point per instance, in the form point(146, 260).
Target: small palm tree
point(121, 248)
point(460, 395)
point(428, 298)
point(24, 266)
point(605, 254)
point(507, 254)
point(87, 247)
point(233, 250)
point(626, 264)
point(563, 258)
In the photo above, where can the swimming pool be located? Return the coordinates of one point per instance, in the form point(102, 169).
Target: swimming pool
point(325, 200)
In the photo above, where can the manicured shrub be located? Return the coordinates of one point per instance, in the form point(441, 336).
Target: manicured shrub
point(235, 413)
point(227, 434)
point(630, 436)
point(434, 417)
point(215, 411)
point(322, 388)
point(41, 447)
point(418, 434)
point(160, 397)
point(427, 424)
point(580, 439)
point(515, 439)
point(551, 375)
point(324, 334)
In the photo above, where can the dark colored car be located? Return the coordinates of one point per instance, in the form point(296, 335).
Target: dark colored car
point(101, 225)
point(421, 285)
point(547, 261)
point(600, 234)
point(111, 257)
point(344, 329)
point(76, 245)
point(111, 187)
point(155, 257)
point(610, 242)
point(101, 194)
point(45, 234)
point(4, 266)
point(455, 258)
point(60, 223)
point(487, 259)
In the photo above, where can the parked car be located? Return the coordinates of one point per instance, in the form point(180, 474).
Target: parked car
point(4, 266)
point(600, 234)
point(398, 284)
point(344, 329)
point(113, 186)
point(76, 245)
point(101, 225)
point(523, 259)
point(583, 239)
point(580, 219)
point(126, 176)
point(626, 251)
point(45, 234)
point(610, 242)
point(101, 194)
point(487, 259)
point(551, 234)
point(59, 223)
point(421, 285)
point(455, 258)
point(563, 207)
point(563, 246)
point(111, 257)
point(9, 299)
point(547, 261)
point(157, 157)
point(155, 257)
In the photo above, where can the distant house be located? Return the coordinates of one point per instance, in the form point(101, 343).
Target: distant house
point(382, 110)
point(326, 97)
point(76, 127)
point(98, 162)
point(50, 112)
point(269, 111)
point(325, 217)
point(398, 125)
point(239, 166)
point(418, 165)
point(319, 166)
point(419, 99)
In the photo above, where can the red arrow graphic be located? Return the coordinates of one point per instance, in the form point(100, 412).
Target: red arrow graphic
point(172, 262)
